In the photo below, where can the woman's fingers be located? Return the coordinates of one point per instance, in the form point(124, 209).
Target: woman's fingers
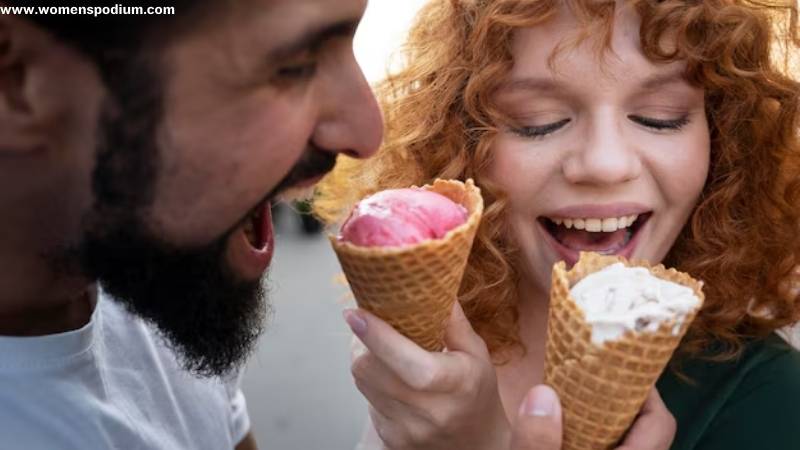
point(654, 429)
point(424, 399)
point(369, 371)
point(407, 360)
point(404, 432)
point(384, 389)
point(419, 369)
point(389, 407)
point(461, 337)
point(538, 425)
point(387, 429)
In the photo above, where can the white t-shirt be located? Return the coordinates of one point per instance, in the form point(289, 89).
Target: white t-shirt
point(111, 385)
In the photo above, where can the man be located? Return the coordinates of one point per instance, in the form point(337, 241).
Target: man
point(147, 149)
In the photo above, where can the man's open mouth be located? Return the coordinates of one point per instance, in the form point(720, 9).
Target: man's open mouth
point(253, 244)
point(606, 235)
point(258, 227)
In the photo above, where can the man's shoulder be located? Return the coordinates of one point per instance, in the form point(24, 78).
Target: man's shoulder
point(119, 394)
point(137, 344)
point(208, 405)
point(123, 333)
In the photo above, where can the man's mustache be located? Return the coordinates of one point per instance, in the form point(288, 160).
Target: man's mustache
point(312, 164)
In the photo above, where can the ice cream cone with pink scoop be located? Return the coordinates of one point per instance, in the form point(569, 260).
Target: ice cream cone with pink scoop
point(404, 252)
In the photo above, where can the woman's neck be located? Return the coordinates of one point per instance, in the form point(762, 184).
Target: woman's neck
point(527, 370)
point(533, 307)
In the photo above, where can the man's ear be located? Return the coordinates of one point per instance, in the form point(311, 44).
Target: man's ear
point(18, 114)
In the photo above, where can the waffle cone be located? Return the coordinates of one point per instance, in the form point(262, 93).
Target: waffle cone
point(603, 387)
point(413, 287)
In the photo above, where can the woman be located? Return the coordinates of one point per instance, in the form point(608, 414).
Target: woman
point(659, 130)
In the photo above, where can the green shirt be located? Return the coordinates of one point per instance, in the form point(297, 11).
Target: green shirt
point(752, 403)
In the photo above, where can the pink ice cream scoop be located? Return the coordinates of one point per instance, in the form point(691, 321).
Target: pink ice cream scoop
point(398, 217)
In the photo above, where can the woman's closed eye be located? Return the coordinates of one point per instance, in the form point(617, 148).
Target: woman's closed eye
point(539, 131)
point(660, 124)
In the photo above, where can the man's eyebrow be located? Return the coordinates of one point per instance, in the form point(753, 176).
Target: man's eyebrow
point(313, 39)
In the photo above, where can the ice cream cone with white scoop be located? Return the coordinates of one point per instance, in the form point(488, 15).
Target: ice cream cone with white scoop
point(613, 327)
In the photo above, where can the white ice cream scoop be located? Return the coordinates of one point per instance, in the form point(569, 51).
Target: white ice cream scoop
point(618, 299)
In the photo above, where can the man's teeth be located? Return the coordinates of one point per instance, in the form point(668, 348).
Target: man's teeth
point(596, 225)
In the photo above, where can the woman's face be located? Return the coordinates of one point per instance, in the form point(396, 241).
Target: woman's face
point(603, 152)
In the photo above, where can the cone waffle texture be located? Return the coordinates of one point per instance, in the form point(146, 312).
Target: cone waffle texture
point(603, 387)
point(413, 287)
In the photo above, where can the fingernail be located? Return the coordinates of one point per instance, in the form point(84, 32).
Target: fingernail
point(355, 321)
point(542, 401)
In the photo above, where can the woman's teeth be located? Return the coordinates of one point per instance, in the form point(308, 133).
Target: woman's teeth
point(595, 225)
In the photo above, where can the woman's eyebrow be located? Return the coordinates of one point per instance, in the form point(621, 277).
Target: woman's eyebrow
point(535, 84)
point(652, 82)
point(660, 79)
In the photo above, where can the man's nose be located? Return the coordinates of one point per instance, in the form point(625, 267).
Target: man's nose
point(606, 157)
point(350, 121)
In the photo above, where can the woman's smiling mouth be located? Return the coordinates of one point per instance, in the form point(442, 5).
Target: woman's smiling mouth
point(605, 234)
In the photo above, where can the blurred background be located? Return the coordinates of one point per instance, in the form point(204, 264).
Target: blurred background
point(298, 385)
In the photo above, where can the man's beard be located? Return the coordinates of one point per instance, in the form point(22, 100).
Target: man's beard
point(208, 316)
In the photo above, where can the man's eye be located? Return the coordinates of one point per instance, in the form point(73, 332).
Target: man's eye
point(660, 124)
point(541, 130)
point(299, 71)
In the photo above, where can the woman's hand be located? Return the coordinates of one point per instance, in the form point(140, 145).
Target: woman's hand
point(654, 428)
point(426, 400)
point(539, 426)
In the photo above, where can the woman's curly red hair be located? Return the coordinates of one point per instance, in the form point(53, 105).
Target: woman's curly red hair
point(742, 238)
